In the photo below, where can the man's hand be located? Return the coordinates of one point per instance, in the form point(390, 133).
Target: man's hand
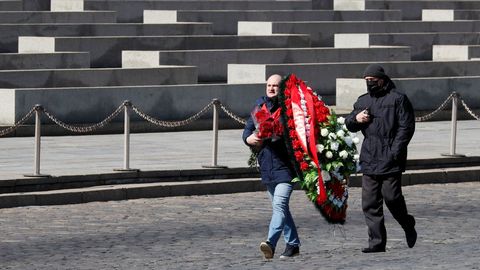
point(253, 140)
point(363, 117)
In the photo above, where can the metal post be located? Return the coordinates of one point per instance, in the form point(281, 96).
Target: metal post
point(126, 139)
point(453, 131)
point(38, 126)
point(216, 106)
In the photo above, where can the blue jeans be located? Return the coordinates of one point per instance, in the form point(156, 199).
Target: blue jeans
point(281, 218)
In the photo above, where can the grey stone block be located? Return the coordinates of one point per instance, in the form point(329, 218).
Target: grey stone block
point(58, 17)
point(104, 194)
point(466, 14)
point(212, 64)
point(93, 104)
point(225, 21)
point(132, 10)
point(106, 51)
point(412, 9)
point(349, 4)
point(11, 5)
point(70, 5)
point(421, 43)
point(97, 77)
point(438, 15)
point(426, 94)
point(322, 76)
point(322, 33)
point(9, 33)
point(13, 61)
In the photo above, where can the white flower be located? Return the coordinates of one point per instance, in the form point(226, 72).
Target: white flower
point(332, 136)
point(343, 154)
point(326, 176)
point(356, 140)
point(348, 141)
point(340, 133)
point(341, 120)
point(334, 146)
point(329, 154)
point(345, 127)
point(356, 157)
point(313, 164)
point(320, 148)
point(324, 132)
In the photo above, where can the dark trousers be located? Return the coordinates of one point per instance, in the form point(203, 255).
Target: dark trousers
point(375, 190)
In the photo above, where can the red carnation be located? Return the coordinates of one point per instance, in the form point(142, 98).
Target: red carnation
point(304, 166)
point(262, 116)
point(297, 144)
point(292, 134)
point(291, 123)
point(278, 128)
point(298, 156)
point(289, 111)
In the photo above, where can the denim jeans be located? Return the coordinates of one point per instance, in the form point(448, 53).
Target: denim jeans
point(281, 218)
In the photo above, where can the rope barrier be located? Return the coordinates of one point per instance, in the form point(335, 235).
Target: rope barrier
point(170, 124)
point(127, 106)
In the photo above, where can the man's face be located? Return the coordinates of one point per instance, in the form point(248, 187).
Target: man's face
point(374, 80)
point(273, 86)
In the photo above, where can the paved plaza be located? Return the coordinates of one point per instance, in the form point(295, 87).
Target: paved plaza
point(224, 231)
point(96, 154)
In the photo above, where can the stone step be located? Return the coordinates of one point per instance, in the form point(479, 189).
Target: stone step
point(33, 184)
point(322, 33)
point(412, 9)
point(97, 77)
point(322, 76)
point(11, 5)
point(166, 102)
point(212, 64)
point(107, 51)
point(225, 21)
point(132, 10)
point(63, 60)
point(9, 33)
point(421, 44)
point(111, 192)
point(426, 94)
point(42, 17)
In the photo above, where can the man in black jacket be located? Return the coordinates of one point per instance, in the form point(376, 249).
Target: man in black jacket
point(387, 121)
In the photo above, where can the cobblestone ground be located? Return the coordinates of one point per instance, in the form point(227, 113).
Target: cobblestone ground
point(224, 231)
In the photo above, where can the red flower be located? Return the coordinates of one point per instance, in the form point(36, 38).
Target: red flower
point(304, 166)
point(278, 128)
point(291, 123)
point(266, 129)
point(298, 156)
point(287, 92)
point(262, 115)
point(289, 111)
point(292, 134)
point(297, 144)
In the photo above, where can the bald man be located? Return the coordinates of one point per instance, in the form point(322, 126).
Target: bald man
point(277, 173)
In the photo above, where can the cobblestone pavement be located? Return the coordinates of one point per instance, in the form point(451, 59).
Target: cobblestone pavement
point(224, 231)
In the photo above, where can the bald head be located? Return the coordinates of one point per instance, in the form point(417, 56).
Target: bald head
point(273, 85)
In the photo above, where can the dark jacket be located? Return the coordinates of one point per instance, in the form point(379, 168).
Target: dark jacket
point(275, 166)
point(386, 136)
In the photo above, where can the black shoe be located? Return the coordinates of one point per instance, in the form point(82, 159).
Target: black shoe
point(373, 250)
point(411, 235)
point(290, 251)
point(267, 249)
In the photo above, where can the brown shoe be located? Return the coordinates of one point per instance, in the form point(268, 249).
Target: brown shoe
point(267, 249)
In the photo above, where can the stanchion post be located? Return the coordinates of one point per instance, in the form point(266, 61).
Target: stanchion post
point(38, 128)
point(126, 141)
point(453, 131)
point(216, 108)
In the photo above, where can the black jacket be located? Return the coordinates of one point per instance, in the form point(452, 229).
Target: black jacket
point(386, 136)
point(275, 165)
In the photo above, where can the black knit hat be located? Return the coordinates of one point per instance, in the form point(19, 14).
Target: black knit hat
point(375, 70)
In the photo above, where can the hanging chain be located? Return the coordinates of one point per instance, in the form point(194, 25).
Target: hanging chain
point(470, 111)
point(84, 129)
point(163, 123)
point(232, 115)
point(8, 130)
point(432, 114)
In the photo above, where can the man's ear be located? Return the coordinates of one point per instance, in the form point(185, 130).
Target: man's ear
point(381, 82)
